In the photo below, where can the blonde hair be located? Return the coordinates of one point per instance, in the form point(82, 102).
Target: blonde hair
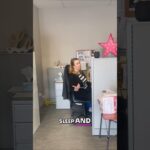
point(71, 69)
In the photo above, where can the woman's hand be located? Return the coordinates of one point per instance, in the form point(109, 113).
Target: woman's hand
point(76, 88)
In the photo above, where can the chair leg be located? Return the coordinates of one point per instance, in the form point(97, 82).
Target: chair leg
point(100, 129)
point(108, 135)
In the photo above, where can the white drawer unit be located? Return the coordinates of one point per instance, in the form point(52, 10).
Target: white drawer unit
point(60, 102)
point(52, 74)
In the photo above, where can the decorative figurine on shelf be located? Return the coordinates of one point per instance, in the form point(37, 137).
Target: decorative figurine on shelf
point(109, 47)
point(60, 76)
point(28, 74)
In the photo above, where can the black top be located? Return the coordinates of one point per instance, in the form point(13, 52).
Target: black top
point(84, 92)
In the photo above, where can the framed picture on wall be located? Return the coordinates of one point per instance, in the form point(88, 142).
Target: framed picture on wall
point(129, 8)
point(84, 55)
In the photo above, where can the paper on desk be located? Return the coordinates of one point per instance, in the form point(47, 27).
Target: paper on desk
point(108, 105)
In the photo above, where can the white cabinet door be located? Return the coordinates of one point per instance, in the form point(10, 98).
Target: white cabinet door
point(60, 102)
point(104, 76)
point(52, 75)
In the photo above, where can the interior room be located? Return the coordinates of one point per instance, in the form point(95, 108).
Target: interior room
point(37, 41)
point(64, 29)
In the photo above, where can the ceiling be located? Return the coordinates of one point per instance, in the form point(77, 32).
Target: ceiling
point(68, 3)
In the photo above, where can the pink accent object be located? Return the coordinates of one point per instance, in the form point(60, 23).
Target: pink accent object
point(110, 46)
point(112, 116)
point(108, 105)
point(83, 124)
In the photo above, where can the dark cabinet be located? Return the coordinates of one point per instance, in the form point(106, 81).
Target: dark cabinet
point(22, 124)
point(138, 85)
point(10, 75)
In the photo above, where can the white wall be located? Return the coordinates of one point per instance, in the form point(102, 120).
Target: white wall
point(64, 30)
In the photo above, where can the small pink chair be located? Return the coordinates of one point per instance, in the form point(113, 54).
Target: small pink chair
point(107, 116)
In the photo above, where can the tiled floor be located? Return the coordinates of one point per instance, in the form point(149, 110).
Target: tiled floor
point(54, 136)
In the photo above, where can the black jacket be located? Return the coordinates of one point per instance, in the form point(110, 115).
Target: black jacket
point(82, 94)
point(66, 83)
point(71, 79)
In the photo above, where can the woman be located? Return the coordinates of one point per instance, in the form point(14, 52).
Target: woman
point(79, 84)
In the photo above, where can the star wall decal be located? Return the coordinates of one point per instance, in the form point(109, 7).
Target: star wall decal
point(109, 47)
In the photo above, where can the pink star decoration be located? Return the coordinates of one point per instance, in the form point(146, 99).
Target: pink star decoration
point(110, 46)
